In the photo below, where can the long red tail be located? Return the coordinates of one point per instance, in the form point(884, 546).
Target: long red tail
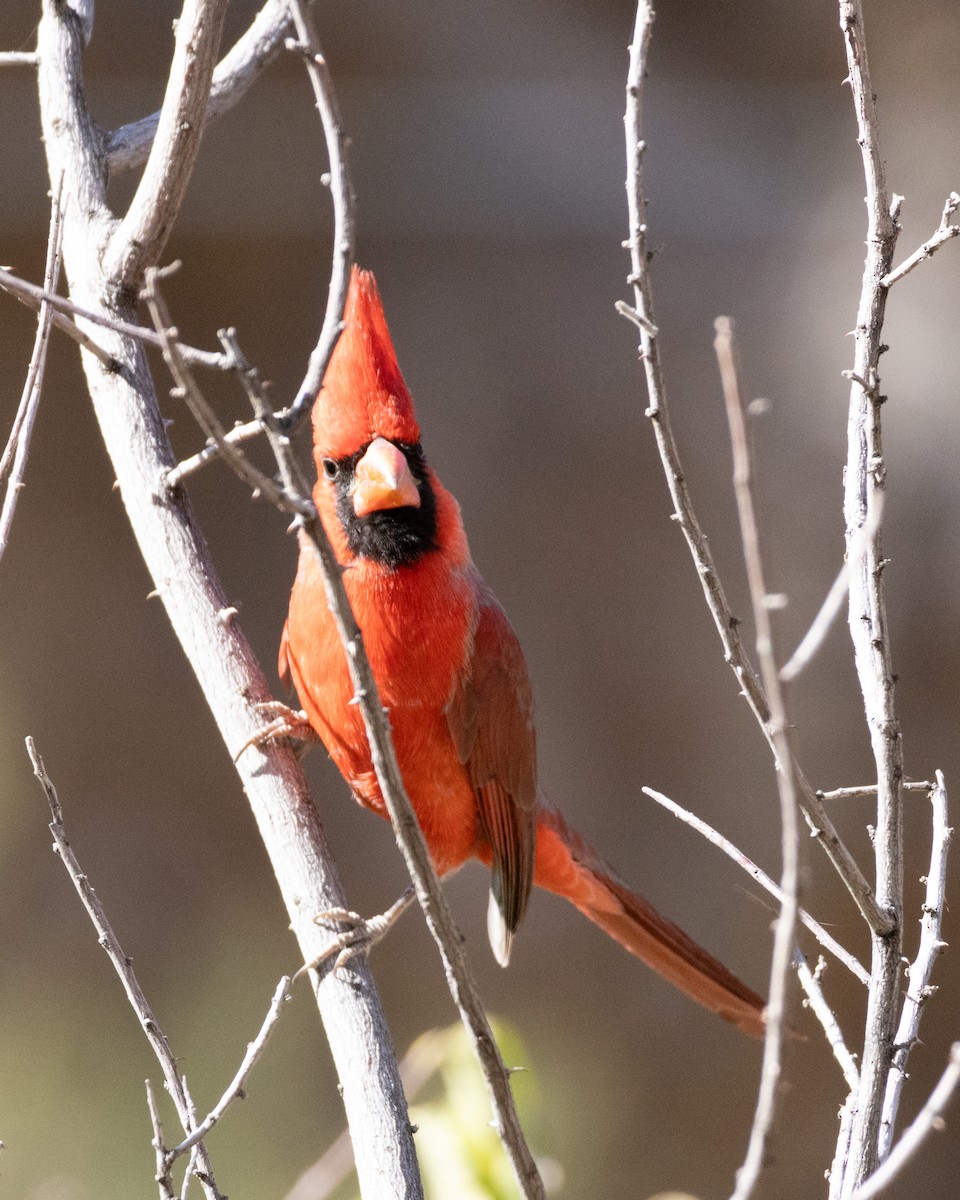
point(568, 866)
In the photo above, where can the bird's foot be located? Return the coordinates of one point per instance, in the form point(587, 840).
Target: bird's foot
point(359, 934)
point(287, 724)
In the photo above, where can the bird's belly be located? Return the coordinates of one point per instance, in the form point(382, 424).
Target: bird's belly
point(435, 780)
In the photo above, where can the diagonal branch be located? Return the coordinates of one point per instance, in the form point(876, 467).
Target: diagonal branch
point(810, 982)
point(943, 233)
point(33, 296)
point(726, 623)
point(138, 241)
point(827, 940)
point(122, 965)
point(128, 147)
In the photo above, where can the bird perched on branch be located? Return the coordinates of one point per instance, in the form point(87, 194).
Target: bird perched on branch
point(450, 672)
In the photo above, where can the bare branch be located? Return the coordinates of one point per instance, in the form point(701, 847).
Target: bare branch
point(863, 488)
point(928, 1119)
point(138, 241)
point(341, 192)
point(33, 296)
point(19, 58)
point(810, 982)
point(869, 790)
point(814, 638)
point(14, 459)
point(760, 876)
point(121, 963)
point(726, 623)
point(238, 1083)
point(235, 436)
point(783, 939)
point(943, 233)
point(236, 72)
point(920, 970)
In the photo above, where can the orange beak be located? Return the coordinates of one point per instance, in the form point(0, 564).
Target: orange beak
point(383, 480)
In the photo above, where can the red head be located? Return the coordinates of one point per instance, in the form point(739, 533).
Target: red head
point(363, 395)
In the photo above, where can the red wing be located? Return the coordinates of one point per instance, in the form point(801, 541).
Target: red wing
point(490, 715)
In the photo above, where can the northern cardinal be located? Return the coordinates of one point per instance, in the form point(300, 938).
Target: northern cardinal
point(450, 672)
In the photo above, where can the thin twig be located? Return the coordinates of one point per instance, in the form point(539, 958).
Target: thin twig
point(121, 963)
point(857, 793)
point(237, 1085)
point(19, 58)
point(726, 623)
point(235, 436)
point(810, 982)
point(162, 1176)
point(919, 972)
point(138, 241)
point(128, 147)
point(14, 459)
point(943, 233)
point(762, 878)
point(341, 193)
point(189, 391)
point(814, 638)
point(864, 480)
point(784, 930)
point(33, 296)
point(929, 1118)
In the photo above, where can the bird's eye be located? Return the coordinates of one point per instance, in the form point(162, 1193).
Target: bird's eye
point(331, 468)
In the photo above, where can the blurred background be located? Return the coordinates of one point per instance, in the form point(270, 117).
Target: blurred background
point(487, 151)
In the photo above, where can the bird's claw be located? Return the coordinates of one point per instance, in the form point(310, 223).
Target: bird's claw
point(360, 934)
point(288, 724)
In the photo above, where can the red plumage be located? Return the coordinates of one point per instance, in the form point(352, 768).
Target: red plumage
point(450, 671)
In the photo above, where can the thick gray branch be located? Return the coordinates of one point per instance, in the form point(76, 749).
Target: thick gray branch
point(231, 679)
point(143, 232)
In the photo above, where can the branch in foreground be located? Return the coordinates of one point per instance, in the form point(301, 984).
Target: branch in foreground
point(760, 876)
point(19, 58)
point(121, 964)
point(929, 1118)
point(403, 819)
point(783, 939)
point(726, 624)
point(14, 459)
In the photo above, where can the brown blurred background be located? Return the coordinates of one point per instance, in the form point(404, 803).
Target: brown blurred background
point(488, 160)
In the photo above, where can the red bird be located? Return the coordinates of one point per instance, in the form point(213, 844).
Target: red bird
point(450, 671)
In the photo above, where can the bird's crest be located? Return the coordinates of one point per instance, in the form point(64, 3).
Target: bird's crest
point(363, 394)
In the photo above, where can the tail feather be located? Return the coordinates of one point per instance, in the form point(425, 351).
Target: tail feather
point(568, 866)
